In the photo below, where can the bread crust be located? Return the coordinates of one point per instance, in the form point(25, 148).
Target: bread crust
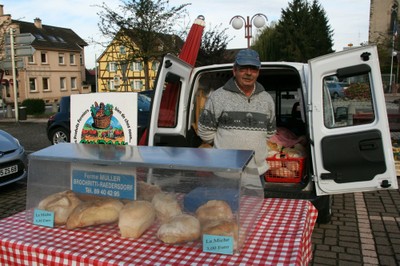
point(94, 213)
point(146, 191)
point(166, 206)
point(214, 210)
point(62, 204)
point(179, 229)
point(135, 218)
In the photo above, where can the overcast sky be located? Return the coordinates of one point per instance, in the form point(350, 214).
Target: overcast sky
point(349, 19)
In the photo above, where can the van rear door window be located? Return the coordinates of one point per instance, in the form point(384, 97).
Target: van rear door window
point(347, 101)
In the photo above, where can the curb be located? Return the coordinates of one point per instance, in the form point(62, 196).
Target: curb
point(29, 120)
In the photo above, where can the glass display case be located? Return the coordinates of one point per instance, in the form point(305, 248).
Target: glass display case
point(213, 187)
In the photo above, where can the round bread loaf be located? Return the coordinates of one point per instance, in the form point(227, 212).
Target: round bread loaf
point(179, 229)
point(214, 210)
point(166, 206)
point(221, 228)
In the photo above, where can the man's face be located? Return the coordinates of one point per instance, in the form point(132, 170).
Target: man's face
point(246, 76)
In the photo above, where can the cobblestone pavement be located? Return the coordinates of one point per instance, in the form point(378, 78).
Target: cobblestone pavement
point(365, 230)
point(12, 198)
point(365, 227)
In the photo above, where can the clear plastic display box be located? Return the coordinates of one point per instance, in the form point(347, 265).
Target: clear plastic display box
point(193, 177)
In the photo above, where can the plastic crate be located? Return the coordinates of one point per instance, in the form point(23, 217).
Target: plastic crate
point(284, 169)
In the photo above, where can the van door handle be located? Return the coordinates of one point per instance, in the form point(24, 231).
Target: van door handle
point(368, 146)
point(336, 176)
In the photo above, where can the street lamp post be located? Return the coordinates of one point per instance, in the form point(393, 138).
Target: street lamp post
point(258, 20)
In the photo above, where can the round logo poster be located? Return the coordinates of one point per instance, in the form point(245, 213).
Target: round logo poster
point(104, 118)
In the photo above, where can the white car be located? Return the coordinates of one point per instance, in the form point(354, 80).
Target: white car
point(13, 159)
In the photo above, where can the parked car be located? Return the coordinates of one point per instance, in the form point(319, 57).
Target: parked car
point(13, 159)
point(58, 125)
point(336, 89)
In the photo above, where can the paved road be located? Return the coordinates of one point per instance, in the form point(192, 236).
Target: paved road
point(365, 228)
point(31, 133)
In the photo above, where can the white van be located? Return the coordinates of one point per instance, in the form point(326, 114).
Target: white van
point(348, 140)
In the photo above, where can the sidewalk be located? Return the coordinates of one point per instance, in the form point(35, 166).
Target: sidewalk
point(49, 110)
point(29, 119)
point(364, 230)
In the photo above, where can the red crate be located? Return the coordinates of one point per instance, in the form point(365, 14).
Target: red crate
point(284, 169)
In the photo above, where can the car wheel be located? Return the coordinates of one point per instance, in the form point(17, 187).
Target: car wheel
point(59, 135)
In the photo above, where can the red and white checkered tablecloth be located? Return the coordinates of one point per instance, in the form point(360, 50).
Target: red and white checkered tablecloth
point(282, 235)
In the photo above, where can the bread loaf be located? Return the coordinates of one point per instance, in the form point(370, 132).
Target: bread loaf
point(135, 218)
point(94, 212)
point(283, 172)
point(293, 165)
point(274, 164)
point(166, 206)
point(205, 145)
point(62, 204)
point(179, 229)
point(221, 228)
point(146, 191)
point(89, 197)
point(214, 210)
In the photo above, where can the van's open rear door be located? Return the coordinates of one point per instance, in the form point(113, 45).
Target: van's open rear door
point(168, 123)
point(350, 137)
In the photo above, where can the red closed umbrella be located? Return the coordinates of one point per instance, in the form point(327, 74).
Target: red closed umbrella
point(169, 100)
point(191, 47)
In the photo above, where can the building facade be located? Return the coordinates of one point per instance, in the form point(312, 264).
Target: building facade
point(116, 72)
point(122, 67)
point(383, 17)
point(55, 69)
point(384, 31)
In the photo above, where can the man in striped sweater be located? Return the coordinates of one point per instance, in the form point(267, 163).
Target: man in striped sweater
point(241, 114)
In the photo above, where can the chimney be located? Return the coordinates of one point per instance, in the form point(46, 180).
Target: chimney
point(38, 23)
point(1, 10)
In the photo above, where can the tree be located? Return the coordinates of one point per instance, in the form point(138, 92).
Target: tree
point(4, 31)
point(267, 44)
point(144, 27)
point(213, 46)
point(322, 44)
point(302, 33)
